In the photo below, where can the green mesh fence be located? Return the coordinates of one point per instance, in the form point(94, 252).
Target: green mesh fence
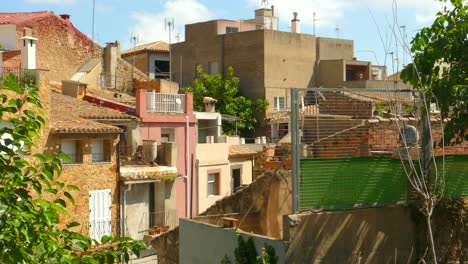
point(367, 181)
point(456, 175)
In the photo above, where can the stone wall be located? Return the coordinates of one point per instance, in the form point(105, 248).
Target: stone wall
point(88, 176)
point(167, 247)
point(61, 48)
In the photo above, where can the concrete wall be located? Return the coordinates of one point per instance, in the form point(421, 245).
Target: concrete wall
point(241, 25)
point(8, 37)
point(375, 235)
point(93, 77)
point(331, 49)
point(137, 209)
point(202, 45)
point(204, 243)
point(209, 163)
point(331, 73)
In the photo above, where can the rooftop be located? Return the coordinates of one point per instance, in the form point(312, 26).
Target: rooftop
point(236, 151)
point(71, 115)
point(157, 46)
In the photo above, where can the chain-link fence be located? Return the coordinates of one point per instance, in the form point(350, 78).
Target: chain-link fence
point(349, 147)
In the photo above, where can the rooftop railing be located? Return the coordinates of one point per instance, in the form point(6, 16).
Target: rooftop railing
point(165, 103)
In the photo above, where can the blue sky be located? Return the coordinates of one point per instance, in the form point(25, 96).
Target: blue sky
point(360, 20)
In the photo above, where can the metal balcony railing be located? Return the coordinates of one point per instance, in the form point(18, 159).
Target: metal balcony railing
point(23, 76)
point(165, 103)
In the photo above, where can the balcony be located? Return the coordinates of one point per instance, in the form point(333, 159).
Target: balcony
point(23, 76)
point(164, 103)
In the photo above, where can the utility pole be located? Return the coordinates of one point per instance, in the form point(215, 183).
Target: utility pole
point(169, 25)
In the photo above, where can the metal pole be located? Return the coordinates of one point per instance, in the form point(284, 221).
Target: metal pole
point(295, 151)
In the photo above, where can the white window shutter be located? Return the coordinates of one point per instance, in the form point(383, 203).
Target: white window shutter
point(100, 219)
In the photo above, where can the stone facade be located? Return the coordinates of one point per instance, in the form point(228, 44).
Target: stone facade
point(61, 48)
point(88, 176)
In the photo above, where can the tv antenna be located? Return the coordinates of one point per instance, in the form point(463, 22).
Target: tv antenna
point(314, 19)
point(264, 3)
point(134, 40)
point(169, 25)
point(337, 30)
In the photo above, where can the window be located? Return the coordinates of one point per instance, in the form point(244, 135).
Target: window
point(236, 179)
point(279, 103)
point(161, 69)
point(213, 184)
point(100, 151)
point(232, 30)
point(214, 68)
point(72, 148)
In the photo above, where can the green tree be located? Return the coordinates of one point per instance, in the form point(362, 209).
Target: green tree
point(440, 67)
point(440, 74)
point(28, 220)
point(246, 253)
point(225, 89)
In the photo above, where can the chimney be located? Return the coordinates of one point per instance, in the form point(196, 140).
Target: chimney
point(295, 24)
point(209, 104)
point(28, 52)
point(111, 55)
point(65, 17)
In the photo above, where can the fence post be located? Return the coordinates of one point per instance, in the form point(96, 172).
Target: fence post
point(295, 149)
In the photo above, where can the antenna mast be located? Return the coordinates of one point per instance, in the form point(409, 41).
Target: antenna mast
point(169, 25)
point(338, 30)
point(134, 39)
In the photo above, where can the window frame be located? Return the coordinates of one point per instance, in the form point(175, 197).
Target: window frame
point(77, 156)
point(277, 103)
point(215, 182)
point(106, 155)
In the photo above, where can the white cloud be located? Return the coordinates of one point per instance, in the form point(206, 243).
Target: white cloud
point(149, 27)
point(62, 2)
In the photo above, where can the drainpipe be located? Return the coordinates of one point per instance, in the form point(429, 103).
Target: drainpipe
point(187, 169)
point(124, 191)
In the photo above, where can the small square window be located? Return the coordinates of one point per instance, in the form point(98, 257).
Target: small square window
point(279, 103)
point(72, 148)
point(213, 184)
point(232, 30)
point(100, 151)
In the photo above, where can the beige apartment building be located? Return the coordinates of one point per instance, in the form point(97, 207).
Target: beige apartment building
point(270, 62)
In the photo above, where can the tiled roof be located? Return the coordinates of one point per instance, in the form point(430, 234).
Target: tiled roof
point(72, 106)
point(30, 19)
point(146, 173)
point(390, 96)
point(71, 115)
point(23, 18)
point(71, 124)
point(113, 96)
point(236, 151)
point(160, 46)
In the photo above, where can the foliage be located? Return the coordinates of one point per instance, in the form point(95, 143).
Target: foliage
point(450, 222)
point(440, 67)
point(225, 89)
point(246, 253)
point(32, 198)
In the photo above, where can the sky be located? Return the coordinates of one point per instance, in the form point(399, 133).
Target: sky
point(374, 25)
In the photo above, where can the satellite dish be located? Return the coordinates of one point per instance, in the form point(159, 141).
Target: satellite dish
point(409, 136)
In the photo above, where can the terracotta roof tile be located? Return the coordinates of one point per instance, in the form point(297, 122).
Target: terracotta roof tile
point(24, 18)
point(67, 105)
point(160, 46)
point(240, 151)
point(146, 173)
point(71, 115)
